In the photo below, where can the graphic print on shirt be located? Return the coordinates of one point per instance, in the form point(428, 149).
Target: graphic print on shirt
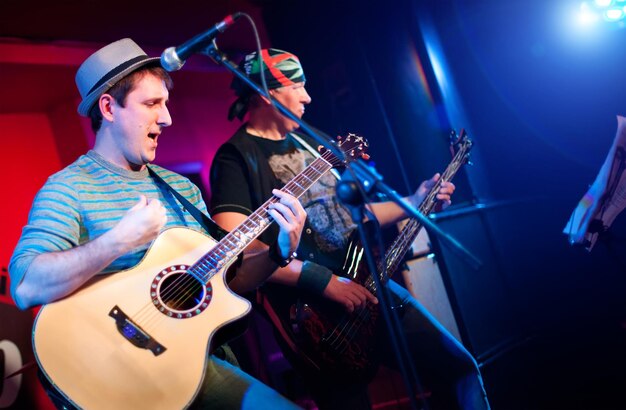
point(329, 219)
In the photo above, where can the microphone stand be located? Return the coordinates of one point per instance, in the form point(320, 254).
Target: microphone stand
point(366, 180)
point(351, 191)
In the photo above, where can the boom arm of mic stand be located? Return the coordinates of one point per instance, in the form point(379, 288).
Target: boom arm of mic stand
point(365, 174)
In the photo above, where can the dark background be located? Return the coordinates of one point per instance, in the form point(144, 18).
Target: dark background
point(538, 95)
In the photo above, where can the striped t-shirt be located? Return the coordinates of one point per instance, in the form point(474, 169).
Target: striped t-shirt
point(86, 199)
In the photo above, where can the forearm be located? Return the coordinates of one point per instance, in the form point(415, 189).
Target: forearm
point(305, 275)
point(388, 213)
point(53, 275)
point(254, 270)
point(288, 275)
point(258, 268)
point(319, 280)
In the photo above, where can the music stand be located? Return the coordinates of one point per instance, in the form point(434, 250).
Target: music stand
point(605, 199)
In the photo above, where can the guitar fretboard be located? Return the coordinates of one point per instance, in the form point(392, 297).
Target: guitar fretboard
point(404, 240)
point(227, 249)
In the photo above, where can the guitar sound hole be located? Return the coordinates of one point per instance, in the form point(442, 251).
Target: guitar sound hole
point(178, 294)
point(181, 292)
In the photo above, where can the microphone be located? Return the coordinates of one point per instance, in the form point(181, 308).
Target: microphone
point(173, 58)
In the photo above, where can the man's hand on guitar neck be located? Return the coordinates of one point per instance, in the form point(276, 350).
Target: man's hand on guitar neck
point(388, 213)
point(443, 195)
point(290, 217)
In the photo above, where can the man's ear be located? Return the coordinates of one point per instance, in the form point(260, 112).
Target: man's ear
point(265, 100)
point(106, 103)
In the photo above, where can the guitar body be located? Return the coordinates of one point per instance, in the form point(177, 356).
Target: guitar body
point(122, 342)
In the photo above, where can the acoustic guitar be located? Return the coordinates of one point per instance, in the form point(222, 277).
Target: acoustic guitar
point(140, 338)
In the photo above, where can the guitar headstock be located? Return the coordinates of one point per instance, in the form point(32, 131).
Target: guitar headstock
point(352, 145)
point(460, 146)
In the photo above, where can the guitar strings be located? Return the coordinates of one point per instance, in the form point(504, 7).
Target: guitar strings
point(187, 281)
point(197, 277)
point(346, 330)
point(183, 288)
point(342, 335)
point(349, 326)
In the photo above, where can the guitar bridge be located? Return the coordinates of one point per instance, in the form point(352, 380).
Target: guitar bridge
point(133, 333)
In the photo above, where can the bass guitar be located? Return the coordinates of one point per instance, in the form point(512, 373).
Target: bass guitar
point(321, 332)
point(140, 338)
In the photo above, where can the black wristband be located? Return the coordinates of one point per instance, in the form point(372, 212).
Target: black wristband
point(314, 277)
point(274, 254)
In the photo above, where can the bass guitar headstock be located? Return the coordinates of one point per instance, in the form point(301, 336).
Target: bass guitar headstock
point(460, 147)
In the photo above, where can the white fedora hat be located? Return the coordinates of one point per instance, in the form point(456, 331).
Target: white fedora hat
point(106, 67)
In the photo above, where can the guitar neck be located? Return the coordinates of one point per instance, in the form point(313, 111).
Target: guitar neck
point(227, 249)
point(404, 240)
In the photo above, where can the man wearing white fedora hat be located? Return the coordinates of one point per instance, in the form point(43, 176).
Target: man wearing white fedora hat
point(101, 213)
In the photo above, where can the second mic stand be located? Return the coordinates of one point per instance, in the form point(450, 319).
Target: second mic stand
point(353, 195)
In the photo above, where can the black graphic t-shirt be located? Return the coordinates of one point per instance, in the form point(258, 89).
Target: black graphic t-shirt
point(246, 168)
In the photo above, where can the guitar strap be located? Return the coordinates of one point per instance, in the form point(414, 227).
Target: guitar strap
point(207, 223)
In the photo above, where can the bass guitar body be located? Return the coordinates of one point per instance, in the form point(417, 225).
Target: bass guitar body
point(324, 335)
